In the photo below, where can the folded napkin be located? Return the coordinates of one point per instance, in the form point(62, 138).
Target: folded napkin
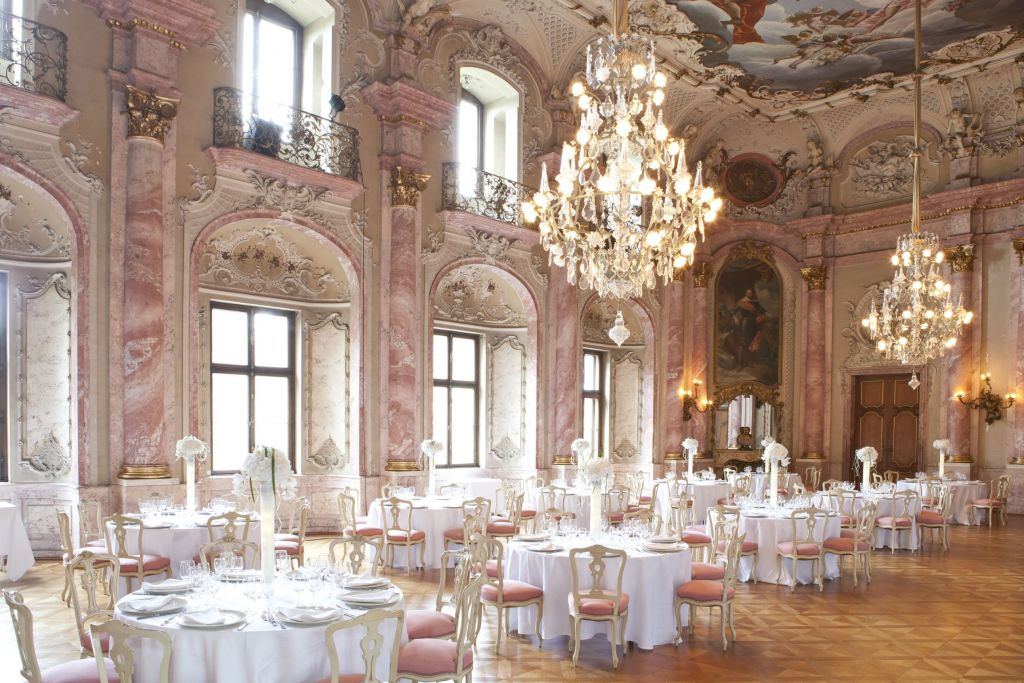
point(165, 586)
point(545, 547)
point(664, 539)
point(365, 581)
point(211, 616)
point(369, 596)
point(309, 615)
point(149, 603)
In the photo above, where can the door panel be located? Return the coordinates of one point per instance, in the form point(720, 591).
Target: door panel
point(886, 415)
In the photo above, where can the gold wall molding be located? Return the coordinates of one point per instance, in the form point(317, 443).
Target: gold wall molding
point(702, 274)
point(402, 466)
point(149, 115)
point(961, 259)
point(132, 24)
point(562, 460)
point(406, 186)
point(1018, 246)
point(815, 277)
point(749, 249)
point(144, 472)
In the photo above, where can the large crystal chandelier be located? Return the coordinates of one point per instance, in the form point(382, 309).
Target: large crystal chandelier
point(916, 320)
point(626, 210)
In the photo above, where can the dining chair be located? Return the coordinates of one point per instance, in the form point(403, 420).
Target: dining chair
point(372, 625)
point(294, 542)
point(388, 490)
point(353, 493)
point(509, 506)
point(729, 471)
point(725, 527)
point(95, 570)
point(289, 518)
point(247, 550)
point(616, 504)
point(846, 503)
point(553, 517)
point(644, 517)
point(891, 476)
point(508, 525)
point(812, 475)
point(90, 519)
point(434, 659)
point(829, 484)
point(122, 638)
point(397, 534)
point(83, 670)
point(857, 543)
point(998, 493)
point(680, 526)
point(353, 551)
point(595, 603)
point(711, 594)
point(936, 517)
point(901, 517)
point(505, 594)
point(877, 479)
point(807, 545)
point(229, 529)
point(69, 550)
point(552, 497)
point(451, 490)
point(350, 523)
point(138, 565)
point(437, 623)
point(647, 502)
point(476, 515)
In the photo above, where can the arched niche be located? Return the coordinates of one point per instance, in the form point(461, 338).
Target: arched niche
point(629, 417)
point(494, 305)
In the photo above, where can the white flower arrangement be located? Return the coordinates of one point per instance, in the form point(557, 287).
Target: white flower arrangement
point(596, 470)
point(767, 441)
point(265, 463)
point(867, 454)
point(581, 448)
point(690, 445)
point(776, 453)
point(431, 447)
point(191, 448)
point(943, 445)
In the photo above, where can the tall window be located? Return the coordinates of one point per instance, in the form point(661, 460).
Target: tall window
point(3, 376)
point(252, 382)
point(594, 399)
point(471, 121)
point(457, 398)
point(488, 126)
point(272, 60)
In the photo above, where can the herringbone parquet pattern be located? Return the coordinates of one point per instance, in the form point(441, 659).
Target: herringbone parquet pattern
point(927, 616)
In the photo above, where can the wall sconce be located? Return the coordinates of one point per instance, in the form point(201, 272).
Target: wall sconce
point(691, 403)
point(988, 400)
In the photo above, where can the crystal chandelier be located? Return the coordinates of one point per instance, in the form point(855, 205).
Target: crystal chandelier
point(916, 320)
point(626, 210)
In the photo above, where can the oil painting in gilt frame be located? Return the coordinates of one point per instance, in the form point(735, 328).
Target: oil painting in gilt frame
point(748, 314)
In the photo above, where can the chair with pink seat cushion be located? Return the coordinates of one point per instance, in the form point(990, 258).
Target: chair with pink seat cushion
point(846, 503)
point(94, 570)
point(122, 655)
point(807, 545)
point(80, 671)
point(476, 516)
point(352, 553)
point(702, 571)
point(710, 593)
point(69, 551)
point(999, 492)
point(133, 566)
point(725, 526)
point(598, 602)
point(508, 525)
point(616, 504)
point(857, 543)
point(501, 593)
point(900, 520)
point(398, 533)
point(679, 524)
point(937, 518)
point(373, 628)
point(436, 623)
point(432, 659)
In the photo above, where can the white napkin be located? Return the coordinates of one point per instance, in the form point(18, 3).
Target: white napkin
point(309, 615)
point(149, 603)
point(545, 547)
point(365, 581)
point(380, 596)
point(211, 616)
point(165, 586)
point(664, 539)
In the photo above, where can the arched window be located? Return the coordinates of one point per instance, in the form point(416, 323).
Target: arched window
point(272, 57)
point(488, 133)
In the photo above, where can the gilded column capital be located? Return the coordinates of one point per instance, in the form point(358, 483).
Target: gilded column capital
point(406, 186)
point(149, 115)
point(1018, 246)
point(961, 259)
point(702, 273)
point(815, 277)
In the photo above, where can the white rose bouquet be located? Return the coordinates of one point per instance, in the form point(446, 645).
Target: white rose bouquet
point(943, 445)
point(191, 448)
point(690, 445)
point(777, 453)
point(265, 463)
point(581, 448)
point(867, 455)
point(596, 470)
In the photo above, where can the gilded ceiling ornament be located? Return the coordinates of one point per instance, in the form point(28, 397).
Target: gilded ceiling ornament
point(961, 258)
point(750, 249)
point(149, 115)
point(406, 186)
point(1018, 246)
point(815, 277)
point(725, 393)
point(702, 273)
point(5, 192)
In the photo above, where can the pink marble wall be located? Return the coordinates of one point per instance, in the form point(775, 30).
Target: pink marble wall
point(961, 372)
point(674, 326)
point(815, 370)
point(699, 340)
point(565, 368)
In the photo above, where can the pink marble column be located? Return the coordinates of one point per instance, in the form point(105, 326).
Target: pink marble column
point(1016, 435)
point(959, 363)
point(565, 368)
point(675, 348)
point(813, 389)
point(699, 325)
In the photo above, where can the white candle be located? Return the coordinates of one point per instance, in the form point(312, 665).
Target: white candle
point(267, 531)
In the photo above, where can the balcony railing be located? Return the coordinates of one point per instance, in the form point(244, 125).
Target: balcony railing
point(464, 188)
point(33, 56)
point(279, 131)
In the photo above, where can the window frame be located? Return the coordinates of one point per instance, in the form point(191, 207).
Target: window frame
point(4, 416)
point(600, 394)
point(449, 384)
point(481, 135)
point(251, 371)
point(260, 9)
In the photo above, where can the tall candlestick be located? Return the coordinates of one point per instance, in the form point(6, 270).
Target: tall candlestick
point(773, 475)
point(867, 476)
point(942, 463)
point(595, 509)
point(190, 485)
point(267, 531)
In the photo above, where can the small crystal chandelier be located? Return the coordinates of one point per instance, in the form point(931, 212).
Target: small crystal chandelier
point(619, 332)
point(916, 320)
point(626, 210)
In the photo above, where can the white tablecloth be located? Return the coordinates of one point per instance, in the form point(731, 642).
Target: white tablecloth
point(768, 532)
point(577, 501)
point(14, 544)
point(759, 483)
point(964, 493)
point(884, 537)
point(259, 652)
point(432, 517)
point(650, 580)
point(485, 488)
point(705, 495)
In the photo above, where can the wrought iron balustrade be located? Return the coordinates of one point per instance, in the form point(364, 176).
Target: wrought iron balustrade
point(275, 130)
point(33, 56)
point(464, 188)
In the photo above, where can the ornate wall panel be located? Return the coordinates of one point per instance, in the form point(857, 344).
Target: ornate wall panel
point(506, 402)
point(327, 445)
point(626, 406)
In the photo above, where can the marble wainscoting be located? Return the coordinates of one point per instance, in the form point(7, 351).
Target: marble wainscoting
point(39, 504)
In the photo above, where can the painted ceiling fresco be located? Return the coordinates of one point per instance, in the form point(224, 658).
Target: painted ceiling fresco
point(800, 50)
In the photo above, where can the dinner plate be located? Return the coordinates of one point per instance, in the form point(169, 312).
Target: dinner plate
point(238, 576)
point(544, 548)
point(314, 616)
point(174, 604)
point(368, 600)
point(533, 538)
point(365, 583)
point(665, 547)
point(232, 619)
point(167, 587)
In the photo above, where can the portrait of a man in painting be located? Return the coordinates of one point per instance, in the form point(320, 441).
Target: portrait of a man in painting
point(747, 298)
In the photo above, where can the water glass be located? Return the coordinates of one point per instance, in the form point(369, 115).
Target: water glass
point(282, 562)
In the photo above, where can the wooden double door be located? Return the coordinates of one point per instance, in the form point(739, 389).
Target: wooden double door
point(886, 416)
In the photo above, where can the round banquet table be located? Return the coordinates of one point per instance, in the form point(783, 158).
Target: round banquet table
point(705, 495)
point(768, 532)
point(258, 652)
point(650, 580)
point(14, 543)
point(964, 493)
point(433, 516)
point(883, 537)
point(759, 482)
point(577, 501)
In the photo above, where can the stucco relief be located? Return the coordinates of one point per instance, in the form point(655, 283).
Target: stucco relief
point(491, 248)
point(626, 405)
point(599, 317)
point(883, 170)
point(861, 349)
point(470, 294)
point(506, 405)
point(263, 260)
point(327, 392)
point(38, 241)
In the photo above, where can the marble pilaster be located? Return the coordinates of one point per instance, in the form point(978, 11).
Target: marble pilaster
point(815, 341)
point(701, 277)
point(675, 348)
point(565, 368)
point(959, 361)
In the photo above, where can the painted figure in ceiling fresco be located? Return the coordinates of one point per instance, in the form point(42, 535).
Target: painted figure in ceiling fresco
point(813, 49)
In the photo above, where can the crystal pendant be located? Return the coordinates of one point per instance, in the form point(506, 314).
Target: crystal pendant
point(914, 381)
point(619, 332)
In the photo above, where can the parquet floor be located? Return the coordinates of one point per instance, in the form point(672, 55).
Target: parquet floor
point(927, 616)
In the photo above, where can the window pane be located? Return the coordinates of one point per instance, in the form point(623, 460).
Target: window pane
point(248, 83)
point(590, 422)
point(440, 409)
point(230, 407)
point(440, 360)
point(272, 413)
point(270, 334)
point(230, 342)
point(591, 381)
point(275, 80)
point(463, 359)
point(463, 426)
point(469, 134)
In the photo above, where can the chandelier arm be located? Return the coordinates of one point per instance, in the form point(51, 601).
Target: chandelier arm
point(915, 211)
point(620, 17)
